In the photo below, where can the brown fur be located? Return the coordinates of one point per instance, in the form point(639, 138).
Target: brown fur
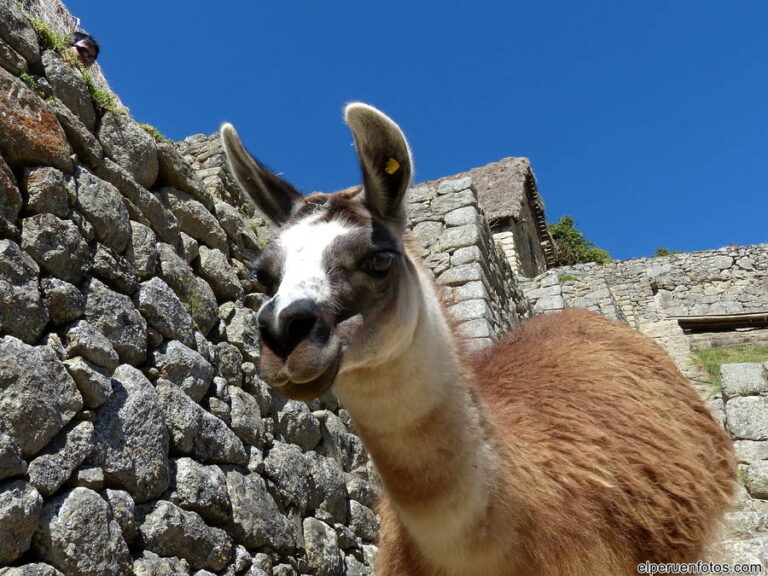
point(610, 458)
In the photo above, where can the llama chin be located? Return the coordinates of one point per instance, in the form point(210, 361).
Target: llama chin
point(572, 447)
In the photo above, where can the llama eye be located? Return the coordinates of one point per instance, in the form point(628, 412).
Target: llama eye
point(379, 263)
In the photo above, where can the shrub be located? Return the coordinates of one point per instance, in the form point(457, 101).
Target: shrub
point(572, 246)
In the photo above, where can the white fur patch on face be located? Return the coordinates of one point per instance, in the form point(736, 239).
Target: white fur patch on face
point(304, 275)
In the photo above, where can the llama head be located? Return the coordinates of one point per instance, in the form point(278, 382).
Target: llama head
point(337, 273)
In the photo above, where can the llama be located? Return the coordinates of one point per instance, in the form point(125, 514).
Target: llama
point(572, 447)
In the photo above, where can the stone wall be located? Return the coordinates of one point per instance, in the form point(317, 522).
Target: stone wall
point(743, 409)
point(481, 291)
point(135, 435)
point(655, 295)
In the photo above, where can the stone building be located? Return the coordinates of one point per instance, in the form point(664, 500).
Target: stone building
point(507, 194)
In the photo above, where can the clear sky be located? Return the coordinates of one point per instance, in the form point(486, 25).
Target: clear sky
point(646, 121)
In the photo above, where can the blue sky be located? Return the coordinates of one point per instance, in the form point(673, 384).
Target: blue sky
point(646, 121)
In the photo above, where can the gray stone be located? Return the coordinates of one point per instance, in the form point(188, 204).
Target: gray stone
point(12, 60)
point(11, 463)
point(17, 31)
point(245, 417)
point(421, 193)
point(354, 567)
point(743, 379)
point(197, 432)
point(289, 469)
point(161, 220)
point(93, 382)
point(184, 367)
point(101, 204)
point(216, 270)
point(79, 536)
point(548, 303)
point(459, 237)
point(150, 564)
point(57, 246)
point(63, 300)
point(114, 315)
point(178, 173)
point(115, 270)
point(69, 87)
point(478, 328)
point(10, 201)
point(748, 451)
point(22, 312)
point(91, 477)
point(123, 510)
point(454, 185)
point(461, 216)
point(131, 437)
point(37, 396)
point(170, 531)
point(362, 490)
point(322, 548)
point(449, 202)
point(462, 274)
point(143, 251)
point(130, 146)
point(469, 310)
point(164, 311)
point(242, 330)
point(31, 134)
point(190, 248)
point(229, 361)
point(747, 417)
point(330, 487)
point(363, 521)
point(201, 488)
point(35, 569)
point(194, 292)
point(237, 229)
point(84, 143)
point(345, 448)
point(256, 519)
point(20, 506)
point(46, 190)
point(194, 218)
point(757, 479)
point(84, 340)
point(54, 466)
point(297, 425)
point(427, 233)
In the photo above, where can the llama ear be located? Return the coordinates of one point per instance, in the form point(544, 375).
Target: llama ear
point(384, 158)
point(275, 197)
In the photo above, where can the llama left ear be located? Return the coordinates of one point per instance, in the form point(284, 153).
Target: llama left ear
point(385, 159)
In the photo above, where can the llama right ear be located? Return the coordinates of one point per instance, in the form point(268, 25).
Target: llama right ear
point(384, 158)
point(275, 197)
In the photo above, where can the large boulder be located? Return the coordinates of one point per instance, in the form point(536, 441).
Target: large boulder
point(22, 312)
point(37, 395)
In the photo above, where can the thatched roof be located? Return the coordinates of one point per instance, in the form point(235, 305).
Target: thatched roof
point(503, 188)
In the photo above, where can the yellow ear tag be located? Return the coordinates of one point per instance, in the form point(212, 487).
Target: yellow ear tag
point(392, 166)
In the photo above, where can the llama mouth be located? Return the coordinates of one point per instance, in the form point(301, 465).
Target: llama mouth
point(311, 389)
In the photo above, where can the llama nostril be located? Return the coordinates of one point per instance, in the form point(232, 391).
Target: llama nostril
point(294, 325)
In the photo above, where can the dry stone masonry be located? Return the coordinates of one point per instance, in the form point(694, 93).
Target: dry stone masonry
point(135, 434)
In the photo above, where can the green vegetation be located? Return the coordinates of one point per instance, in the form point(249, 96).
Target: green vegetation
point(661, 251)
point(103, 99)
point(29, 80)
point(566, 278)
point(572, 246)
point(48, 39)
point(710, 359)
point(154, 132)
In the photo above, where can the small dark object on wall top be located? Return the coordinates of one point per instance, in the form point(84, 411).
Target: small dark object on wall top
point(85, 48)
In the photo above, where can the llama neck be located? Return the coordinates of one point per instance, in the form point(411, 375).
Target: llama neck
point(427, 435)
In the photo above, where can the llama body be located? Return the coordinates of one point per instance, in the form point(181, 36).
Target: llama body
point(573, 447)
